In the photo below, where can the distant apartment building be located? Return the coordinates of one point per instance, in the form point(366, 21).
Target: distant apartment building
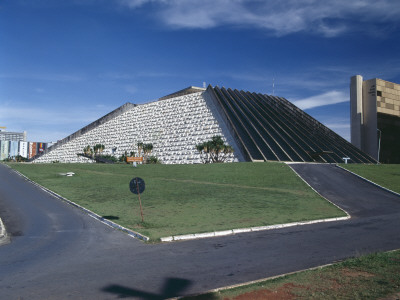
point(14, 144)
point(375, 118)
point(12, 136)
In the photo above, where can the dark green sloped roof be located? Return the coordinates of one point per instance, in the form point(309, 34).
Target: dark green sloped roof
point(272, 128)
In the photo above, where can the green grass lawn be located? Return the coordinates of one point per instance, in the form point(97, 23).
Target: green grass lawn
point(182, 199)
point(373, 276)
point(368, 277)
point(387, 176)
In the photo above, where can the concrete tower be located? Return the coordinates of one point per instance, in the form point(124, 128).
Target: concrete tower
point(363, 115)
point(356, 111)
point(375, 118)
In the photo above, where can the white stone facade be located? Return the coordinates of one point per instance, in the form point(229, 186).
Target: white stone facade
point(174, 126)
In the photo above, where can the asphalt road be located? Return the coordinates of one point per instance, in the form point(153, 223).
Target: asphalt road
point(58, 252)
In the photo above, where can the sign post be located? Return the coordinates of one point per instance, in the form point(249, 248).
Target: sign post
point(134, 160)
point(137, 186)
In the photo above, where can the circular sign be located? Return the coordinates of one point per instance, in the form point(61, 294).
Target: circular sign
point(137, 185)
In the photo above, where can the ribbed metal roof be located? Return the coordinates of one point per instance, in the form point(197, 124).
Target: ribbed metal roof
point(272, 128)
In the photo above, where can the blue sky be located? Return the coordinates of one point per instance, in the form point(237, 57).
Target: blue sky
point(66, 63)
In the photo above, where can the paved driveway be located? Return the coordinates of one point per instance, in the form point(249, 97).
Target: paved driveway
point(358, 197)
point(58, 252)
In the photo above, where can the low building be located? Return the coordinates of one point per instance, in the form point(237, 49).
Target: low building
point(13, 144)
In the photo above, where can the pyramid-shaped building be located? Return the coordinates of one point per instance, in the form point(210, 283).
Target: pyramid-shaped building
point(259, 128)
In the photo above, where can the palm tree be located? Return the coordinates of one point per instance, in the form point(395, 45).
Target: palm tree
point(88, 151)
point(217, 146)
point(228, 150)
point(214, 150)
point(101, 148)
point(98, 149)
point(204, 149)
point(147, 148)
point(140, 147)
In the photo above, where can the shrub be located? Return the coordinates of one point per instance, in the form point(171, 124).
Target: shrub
point(20, 158)
point(153, 160)
point(109, 157)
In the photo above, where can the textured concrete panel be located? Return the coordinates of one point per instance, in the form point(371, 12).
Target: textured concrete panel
point(174, 126)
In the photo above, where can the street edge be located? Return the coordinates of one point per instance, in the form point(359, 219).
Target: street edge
point(109, 223)
point(367, 180)
point(243, 230)
point(292, 163)
point(267, 278)
point(255, 281)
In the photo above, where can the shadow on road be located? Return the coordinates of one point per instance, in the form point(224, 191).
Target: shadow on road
point(172, 287)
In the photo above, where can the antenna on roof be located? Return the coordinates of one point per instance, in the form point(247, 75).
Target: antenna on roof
point(273, 86)
point(204, 84)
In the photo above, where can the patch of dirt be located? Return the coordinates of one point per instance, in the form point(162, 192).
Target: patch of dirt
point(392, 297)
point(333, 285)
point(290, 290)
point(395, 259)
point(281, 293)
point(353, 273)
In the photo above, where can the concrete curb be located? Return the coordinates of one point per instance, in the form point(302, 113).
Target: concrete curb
point(4, 238)
point(367, 180)
point(87, 211)
point(243, 230)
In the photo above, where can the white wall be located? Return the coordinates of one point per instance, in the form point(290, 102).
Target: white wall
point(23, 149)
point(174, 126)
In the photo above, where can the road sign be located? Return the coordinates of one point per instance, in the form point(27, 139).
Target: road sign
point(137, 185)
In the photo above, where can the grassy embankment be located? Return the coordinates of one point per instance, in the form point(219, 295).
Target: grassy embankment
point(372, 276)
point(387, 176)
point(182, 199)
